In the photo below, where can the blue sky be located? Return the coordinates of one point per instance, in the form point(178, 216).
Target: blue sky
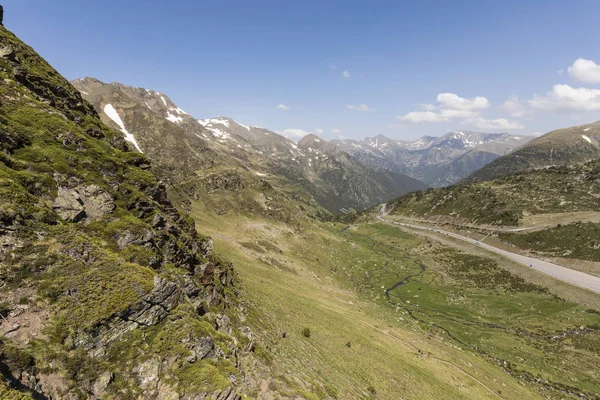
point(413, 68)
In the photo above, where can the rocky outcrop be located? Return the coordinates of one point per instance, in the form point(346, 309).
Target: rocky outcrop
point(125, 289)
point(83, 202)
point(1, 15)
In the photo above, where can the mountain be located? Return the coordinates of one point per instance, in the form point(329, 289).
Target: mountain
point(569, 146)
point(107, 290)
point(507, 199)
point(437, 161)
point(176, 142)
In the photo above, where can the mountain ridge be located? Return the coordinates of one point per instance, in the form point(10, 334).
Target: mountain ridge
point(321, 172)
point(567, 146)
point(434, 160)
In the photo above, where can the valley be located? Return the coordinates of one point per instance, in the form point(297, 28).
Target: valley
point(420, 292)
point(147, 253)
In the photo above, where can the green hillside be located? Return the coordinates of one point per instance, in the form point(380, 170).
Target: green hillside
point(569, 146)
point(505, 200)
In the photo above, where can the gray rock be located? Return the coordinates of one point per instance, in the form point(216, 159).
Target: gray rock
point(7, 52)
point(68, 205)
point(223, 324)
point(201, 349)
point(96, 201)
point(83, 202)
point(100, 384)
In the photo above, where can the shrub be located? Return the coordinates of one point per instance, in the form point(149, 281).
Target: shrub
point(306, 332)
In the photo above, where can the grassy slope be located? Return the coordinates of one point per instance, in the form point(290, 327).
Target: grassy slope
point(504, 201)
point(577, 240)
point(332, 283)
point(560, 147)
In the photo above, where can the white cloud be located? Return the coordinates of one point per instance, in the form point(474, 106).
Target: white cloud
point(336, 131)
point(360, 107)
point(515, 108)
point(454, 102)
point(318, 131)
point(585, 71)
point(449, 106)
point(493, 124)
point(453, 107)
point(346, 74)
point(294, 134)
point(283, 107)
point(567, 98)
point(422, 116)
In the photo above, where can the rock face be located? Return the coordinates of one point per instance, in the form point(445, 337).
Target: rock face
point(1, 15)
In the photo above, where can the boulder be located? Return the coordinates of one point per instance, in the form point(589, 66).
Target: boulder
point(82, 202)
point(96, 201)
point(223, 324)
point(68, 205)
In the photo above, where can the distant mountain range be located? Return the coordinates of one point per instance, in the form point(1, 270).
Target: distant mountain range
point(312, 172)
point(437, 161)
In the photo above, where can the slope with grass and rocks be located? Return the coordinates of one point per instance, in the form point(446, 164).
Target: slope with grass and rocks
point(507, 200)
point(107, 291)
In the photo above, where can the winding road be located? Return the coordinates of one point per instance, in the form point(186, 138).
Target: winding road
point(567, 275)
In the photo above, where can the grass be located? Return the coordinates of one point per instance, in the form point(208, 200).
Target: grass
point(577, 240)
point(507, 200)
point(463, 311)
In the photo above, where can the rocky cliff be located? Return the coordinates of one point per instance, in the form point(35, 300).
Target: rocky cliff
point(106, 289)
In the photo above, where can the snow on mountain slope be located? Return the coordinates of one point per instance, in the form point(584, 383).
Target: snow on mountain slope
point(428, 158)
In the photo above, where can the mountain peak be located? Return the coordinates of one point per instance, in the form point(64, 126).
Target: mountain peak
point(312, 141)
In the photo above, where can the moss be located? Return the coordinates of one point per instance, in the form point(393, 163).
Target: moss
point(94, 292)
point(203, 376)
point(7, 393)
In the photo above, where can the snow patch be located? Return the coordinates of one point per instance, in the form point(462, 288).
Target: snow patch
point(84, 92)
point(586, 138)
point(110, 111)
point(586, 129)
point(203, 122)
point(177, 110)
point(173, 118)
point(220, 134)
point(261, 174)
point(163, 99)
point(219, 121)
point(147, 105)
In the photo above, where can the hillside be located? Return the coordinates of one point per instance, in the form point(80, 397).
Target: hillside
point(175, 141)
point(437, 161)
point(569, 146)
point(506, 200)
point(107, 289)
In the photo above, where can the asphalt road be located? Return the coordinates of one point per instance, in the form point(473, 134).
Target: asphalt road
point(573, 277)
